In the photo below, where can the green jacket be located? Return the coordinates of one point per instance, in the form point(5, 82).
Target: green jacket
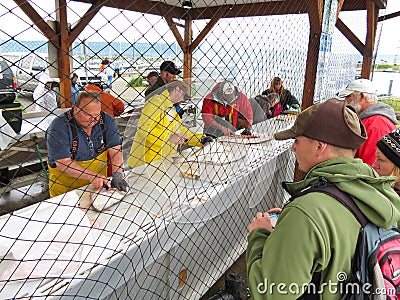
point(316, 233)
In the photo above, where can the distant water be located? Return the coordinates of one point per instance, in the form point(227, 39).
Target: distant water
point(382, 80)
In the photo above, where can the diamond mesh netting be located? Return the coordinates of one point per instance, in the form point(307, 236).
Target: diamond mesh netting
point(198, 155)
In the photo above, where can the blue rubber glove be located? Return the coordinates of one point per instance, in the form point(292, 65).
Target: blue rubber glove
point(118, 181)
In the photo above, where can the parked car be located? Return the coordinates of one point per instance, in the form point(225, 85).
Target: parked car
point(86, 76)
point(7, 83)
point(29, 69)
point(13, 59)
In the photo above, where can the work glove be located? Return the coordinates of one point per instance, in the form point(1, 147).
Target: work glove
point(118, 181)
point(206, 139)
point(246, 131)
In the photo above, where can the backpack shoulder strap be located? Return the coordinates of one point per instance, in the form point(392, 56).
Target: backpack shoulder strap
point(344, 198)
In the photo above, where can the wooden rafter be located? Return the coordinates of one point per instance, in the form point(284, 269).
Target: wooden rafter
point(84, 21)
point(238, 10)
point(220, 14)
point(339, 8)
point(176, 33)
point(354, 40)
point(389, 16)
point(38, 21)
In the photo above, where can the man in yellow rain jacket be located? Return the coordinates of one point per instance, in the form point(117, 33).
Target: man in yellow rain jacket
point(78, 142)
point(159, 131)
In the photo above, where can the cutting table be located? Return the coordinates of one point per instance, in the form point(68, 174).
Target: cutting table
point(171, 237)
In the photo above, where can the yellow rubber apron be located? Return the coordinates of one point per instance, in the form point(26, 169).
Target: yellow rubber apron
point(60, 183)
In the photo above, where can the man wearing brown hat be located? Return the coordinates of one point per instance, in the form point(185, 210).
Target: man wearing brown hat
point(168, 72)
point(318, 228)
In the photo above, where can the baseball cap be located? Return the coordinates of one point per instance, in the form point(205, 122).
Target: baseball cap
point(226, 92)
point(390, 146)
point(358, 85)
point(93, 88)
point(151, 74)
point(333, 122)
point(170, 67)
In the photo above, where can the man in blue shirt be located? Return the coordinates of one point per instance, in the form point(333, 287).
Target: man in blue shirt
point(74, 88)
point(78, 142)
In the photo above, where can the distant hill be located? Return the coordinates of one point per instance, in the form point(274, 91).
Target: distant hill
point(99, 49)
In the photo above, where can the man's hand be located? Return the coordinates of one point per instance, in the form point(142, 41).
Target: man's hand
point(261, 220)
point(100, 181)
point(178, 139)
point(118, 181)
point(227, 131)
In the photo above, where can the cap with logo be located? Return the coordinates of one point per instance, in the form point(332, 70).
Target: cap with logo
point(390, 146)
point(333, 122)
point(358, 85)
point(170, 67)
point(152, 74)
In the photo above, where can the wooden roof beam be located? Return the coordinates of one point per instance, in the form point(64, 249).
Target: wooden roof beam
point(389, 16)
point(353, 39)
point(220, 14)
point(38, 21)
point(238, 10)
point(350, 5)
point(253, 9)
point(339, 8)
point(175, 32)
point(84, 21)
point(145, 6)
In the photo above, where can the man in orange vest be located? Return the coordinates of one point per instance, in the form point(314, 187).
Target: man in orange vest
point(221, 108)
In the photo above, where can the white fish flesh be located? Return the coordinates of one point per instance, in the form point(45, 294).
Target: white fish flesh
point(245, 139)
point(104, 199)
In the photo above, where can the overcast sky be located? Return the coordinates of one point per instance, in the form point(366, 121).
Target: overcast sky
point(389, 42)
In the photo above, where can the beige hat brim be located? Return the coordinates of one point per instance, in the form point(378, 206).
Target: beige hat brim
point(343, 94)
point(285, 134)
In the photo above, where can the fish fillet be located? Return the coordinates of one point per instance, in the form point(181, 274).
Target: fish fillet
point(104, 199)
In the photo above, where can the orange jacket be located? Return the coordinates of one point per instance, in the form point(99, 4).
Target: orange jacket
point(109, 103)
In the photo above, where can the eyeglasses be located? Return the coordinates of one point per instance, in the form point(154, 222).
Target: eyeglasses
point(90, 115)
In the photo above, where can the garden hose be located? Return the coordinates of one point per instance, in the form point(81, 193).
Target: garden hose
point(41, 161)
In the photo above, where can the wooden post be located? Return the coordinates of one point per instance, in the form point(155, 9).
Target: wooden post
point(187, 52)
point(64, 70)
point(315, 18)
point(372, 22)
point(315, 13)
